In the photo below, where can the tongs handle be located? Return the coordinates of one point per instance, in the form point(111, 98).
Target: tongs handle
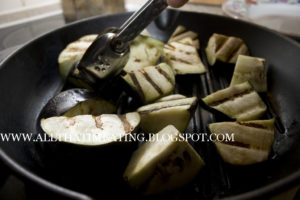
point(137, 23)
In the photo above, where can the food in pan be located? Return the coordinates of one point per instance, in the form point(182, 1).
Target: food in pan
point(183, 58)
point(240, 102)
point(182, 35)
point(224, 48)
point(152, 82)
point(89, 129)
point(252, 141)
point(144, 51)
point(164, 163)
point(250, 69)
point(91, 107)
point(176, 110)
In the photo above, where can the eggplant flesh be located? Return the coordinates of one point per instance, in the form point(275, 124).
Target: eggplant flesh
point(250, 69)
point(225, 49)
point(183, 58)
point(252, 141)
point(176, 112)
point(152, 82)
point(91, 107)
point(164, 163)
point(182, 35)
point(240, 102)
point(144, 51)
point(90, 130)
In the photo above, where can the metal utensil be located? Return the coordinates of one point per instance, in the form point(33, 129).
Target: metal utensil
point(108, 54)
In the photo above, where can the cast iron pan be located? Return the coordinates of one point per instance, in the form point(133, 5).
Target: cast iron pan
point(30, 77)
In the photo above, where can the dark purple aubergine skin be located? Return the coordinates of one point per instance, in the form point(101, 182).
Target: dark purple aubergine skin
point(29, 78)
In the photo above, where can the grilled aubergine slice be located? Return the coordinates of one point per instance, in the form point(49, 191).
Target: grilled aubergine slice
point(225, 48)
point(164, 163)
point(144, 51)
point(91, 130)
point(183, 58)
point(71, 54)
point(240, 102)
point(91, 107)
point(152, 82)
point(250, 69)
point(252, 141)
point(176, 110)
point(182, 35)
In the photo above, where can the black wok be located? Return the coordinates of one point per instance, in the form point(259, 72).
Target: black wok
point(29, 78)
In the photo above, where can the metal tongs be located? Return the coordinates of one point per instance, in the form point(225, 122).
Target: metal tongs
point(109, 53)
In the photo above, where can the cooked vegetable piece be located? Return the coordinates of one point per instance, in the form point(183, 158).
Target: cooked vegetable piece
point(164, 163)
point(182, 35)
point(151, 82)
point(171, 97)
point(239, 102)
point(252, 141)
point(225, 48)
point(90, 130)
point(144, 51)
point(91, 107)
point(250, 69)
point(176, 112)
point(183, 58)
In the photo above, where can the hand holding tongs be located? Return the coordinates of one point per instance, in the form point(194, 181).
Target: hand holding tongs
point(108, 54)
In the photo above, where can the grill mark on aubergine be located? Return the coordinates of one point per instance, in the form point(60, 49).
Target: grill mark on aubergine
point(219, 46)
point(165, 74)
point(177, 34)
point(126, 125)
point(154, 85)
point(170, 47)
point(253, 125)
point(216, 103)
point(157, 109)
point(238, 144)
point(235, 51)
point(98, 121)
point(137, 84)
point(180, 60)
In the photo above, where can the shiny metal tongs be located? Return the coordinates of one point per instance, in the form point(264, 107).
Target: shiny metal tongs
point(109, 53)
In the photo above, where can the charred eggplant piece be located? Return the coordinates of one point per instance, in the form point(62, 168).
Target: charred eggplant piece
point(225, 48)
point(72, 54)
point(91, 130)
point(182, 35)
point(164, 163)
point(171, 97)
point(250, 69)
point(252, 141)
point(240, 102)
point(151, 82)
point(183, 58)
point(166, 111)
point(144, 51)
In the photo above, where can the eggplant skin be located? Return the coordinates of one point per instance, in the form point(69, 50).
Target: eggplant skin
point(91, 130)
point(225, 49)
point(240, 102)
point(162, 164)
point(252, 141)
point(250, 69)
point(176, 112)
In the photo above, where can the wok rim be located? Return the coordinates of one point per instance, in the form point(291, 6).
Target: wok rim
point(268, 190)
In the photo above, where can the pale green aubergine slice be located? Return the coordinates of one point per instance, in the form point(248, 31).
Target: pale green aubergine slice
point(91, 107)
point(183, 58)
point(152, 82)
point(225, 49)
point(144, 51)
point(240, 102)
point(164, 163)
point(185, 36)
point(252, 141)
point(169, 110)
point(91, 130)
point(250, 69)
